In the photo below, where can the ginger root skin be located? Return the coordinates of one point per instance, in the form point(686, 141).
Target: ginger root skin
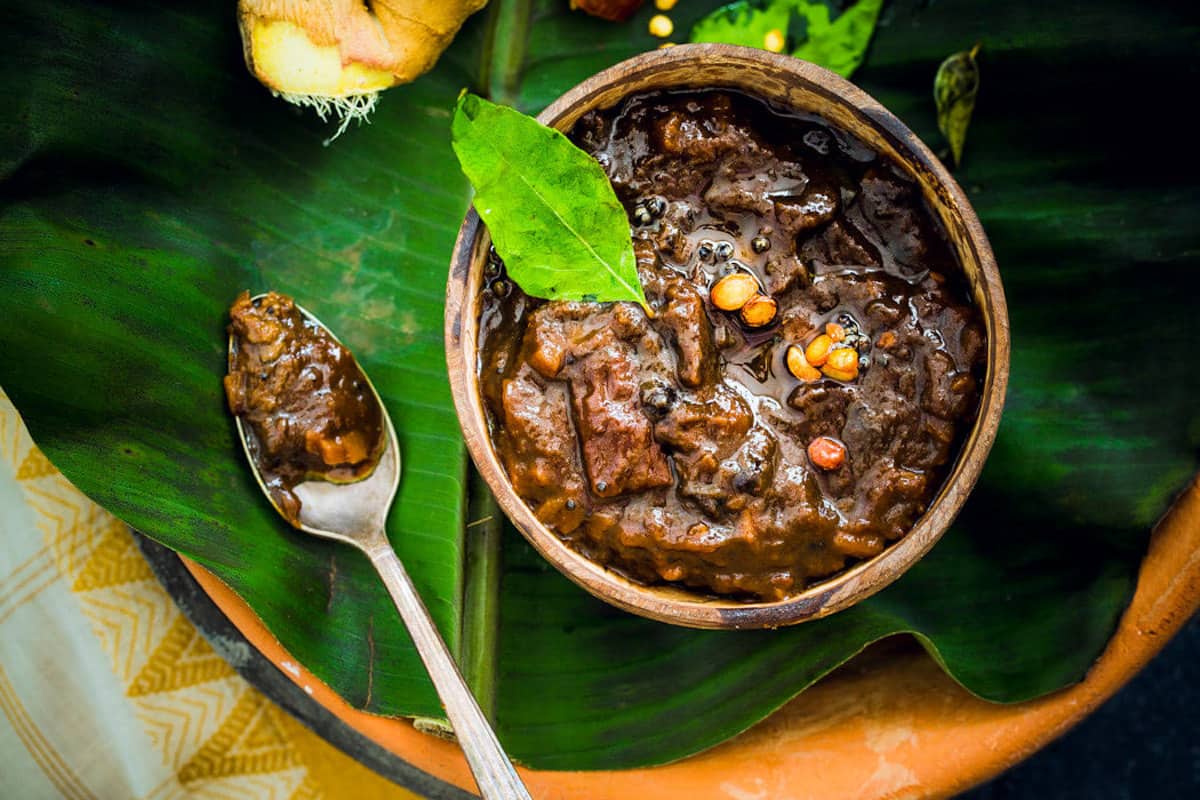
point(320, 52)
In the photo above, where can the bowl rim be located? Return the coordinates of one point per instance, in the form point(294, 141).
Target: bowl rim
point(679, 606)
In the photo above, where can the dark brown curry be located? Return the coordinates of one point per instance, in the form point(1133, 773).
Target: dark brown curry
point(311, 413)
point(795, 401)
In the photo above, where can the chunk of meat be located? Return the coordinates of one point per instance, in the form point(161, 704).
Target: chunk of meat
point(539, 453)
point(884, 426)
point(619, 450)
point(785, 271)
point(841, 244)
point(971, 343)
point(948, 392)
point(859, 290)
point(800, 322)
point(820, 409)
point(691, 332)
point(717, 418)
point(704, 433)
point(546, 343)
point(731, 192)
point(752, 467)
point(811, 211)
point(892, 503)
point(680, 134)
point(890, 204)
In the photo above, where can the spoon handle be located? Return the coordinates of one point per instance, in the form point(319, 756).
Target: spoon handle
point(494, 773)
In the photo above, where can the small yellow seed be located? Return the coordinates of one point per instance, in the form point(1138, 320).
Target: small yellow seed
point(664, 5)
point(838, 375)
point(842, 365)
point(661, 26)
point(798, 365)
point(733, 291)
point(844, 358)
point(759, 311)
point(774, 41)
point(665, 45)
point(818, 350)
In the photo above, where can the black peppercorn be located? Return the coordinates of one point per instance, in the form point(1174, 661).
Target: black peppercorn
point(641, 215)
point(705, 250)
point(722, 250)
point(656, 206)
point(501, 288)
point(760, 244)
point(658, 399)
point(733, 266)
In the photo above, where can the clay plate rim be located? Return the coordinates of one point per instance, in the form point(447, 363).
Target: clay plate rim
point(859, 733)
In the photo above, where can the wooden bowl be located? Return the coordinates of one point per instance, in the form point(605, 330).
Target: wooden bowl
point(788, 83)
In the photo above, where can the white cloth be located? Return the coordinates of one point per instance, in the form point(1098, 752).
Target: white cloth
point(106, 690)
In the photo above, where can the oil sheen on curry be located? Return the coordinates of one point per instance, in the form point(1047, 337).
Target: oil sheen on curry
point(311, 413)
point(796, 400)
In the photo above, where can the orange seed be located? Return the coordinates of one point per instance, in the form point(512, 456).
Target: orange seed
point(798, 365)
point(733, 291)
point(818, 349)
point(759, 311)
point(844, 359)
point(826, 452)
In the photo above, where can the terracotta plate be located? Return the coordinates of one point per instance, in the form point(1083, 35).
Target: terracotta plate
point(889, 724)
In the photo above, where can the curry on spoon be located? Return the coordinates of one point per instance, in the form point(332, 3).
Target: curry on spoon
point(324, 451)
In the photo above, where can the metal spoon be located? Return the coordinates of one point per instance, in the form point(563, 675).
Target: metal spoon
point(355, 513)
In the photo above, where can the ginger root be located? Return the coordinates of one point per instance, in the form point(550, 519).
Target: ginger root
point(337, 55)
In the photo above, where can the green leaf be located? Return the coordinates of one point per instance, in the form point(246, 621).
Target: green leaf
point(552, 212)
point(954, 90)
point(133, 208)
point(132, 215)
point(809, 33)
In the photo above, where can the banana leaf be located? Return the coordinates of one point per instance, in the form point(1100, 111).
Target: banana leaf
point(145, 179)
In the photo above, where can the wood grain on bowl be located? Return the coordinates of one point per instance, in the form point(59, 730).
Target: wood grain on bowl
point(791, 84)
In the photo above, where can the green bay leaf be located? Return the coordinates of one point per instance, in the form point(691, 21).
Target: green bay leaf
point(552, 213)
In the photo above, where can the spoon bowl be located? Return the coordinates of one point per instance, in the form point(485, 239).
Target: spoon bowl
point(356, 513)
point(346, 512)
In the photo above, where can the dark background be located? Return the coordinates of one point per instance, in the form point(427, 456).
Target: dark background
point(1143, 743)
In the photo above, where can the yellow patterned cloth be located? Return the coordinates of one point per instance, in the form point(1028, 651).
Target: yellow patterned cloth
point(106, 690)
